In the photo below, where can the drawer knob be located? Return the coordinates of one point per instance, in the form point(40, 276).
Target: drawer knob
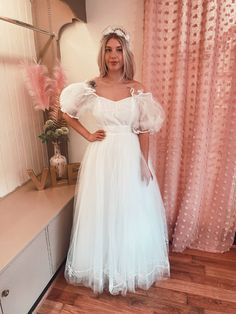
point(5, 293)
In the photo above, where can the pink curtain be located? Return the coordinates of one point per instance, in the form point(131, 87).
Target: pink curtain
point(190, 66)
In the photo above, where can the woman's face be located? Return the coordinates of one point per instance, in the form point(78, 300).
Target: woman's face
point(114, 55)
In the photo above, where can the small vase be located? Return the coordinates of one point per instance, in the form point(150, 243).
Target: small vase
point(59, 161)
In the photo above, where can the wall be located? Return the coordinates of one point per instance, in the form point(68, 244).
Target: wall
point(20, 123)
point(20, 147)
point(79, 46)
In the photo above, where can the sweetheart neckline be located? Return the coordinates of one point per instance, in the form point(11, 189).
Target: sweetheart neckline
point(115, 101)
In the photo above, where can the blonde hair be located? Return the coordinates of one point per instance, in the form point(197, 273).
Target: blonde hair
point(129, 66)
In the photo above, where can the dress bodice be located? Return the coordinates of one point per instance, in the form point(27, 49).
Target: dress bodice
point(140, 112)
point(114, 115)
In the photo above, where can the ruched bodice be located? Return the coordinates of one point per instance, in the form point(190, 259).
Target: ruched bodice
point(115, 116)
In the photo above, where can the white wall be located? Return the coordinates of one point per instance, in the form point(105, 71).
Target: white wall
point(79, 46)
point(20, 124)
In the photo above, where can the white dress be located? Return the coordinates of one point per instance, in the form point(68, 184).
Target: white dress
point(119, 238)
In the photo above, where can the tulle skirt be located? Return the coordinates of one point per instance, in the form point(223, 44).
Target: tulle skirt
point(119, 238)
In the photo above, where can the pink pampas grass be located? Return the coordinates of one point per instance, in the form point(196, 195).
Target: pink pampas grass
point(39, 85)
point(58, 83)
point(59, 78)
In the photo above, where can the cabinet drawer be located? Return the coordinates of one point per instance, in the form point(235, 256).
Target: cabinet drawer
point(26, 277)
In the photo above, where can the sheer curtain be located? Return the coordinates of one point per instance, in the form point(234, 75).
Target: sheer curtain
point(20, 124)
point(190, 66)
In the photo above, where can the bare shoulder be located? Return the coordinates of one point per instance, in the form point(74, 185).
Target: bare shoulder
point(101, 81)
point(94, 80)
point(136, 85)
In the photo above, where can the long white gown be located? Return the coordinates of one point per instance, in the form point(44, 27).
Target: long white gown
point(119, 238)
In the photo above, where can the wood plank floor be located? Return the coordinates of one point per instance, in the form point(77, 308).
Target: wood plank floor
point(200, 282)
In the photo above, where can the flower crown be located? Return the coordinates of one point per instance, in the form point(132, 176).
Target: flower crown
point(119, 31)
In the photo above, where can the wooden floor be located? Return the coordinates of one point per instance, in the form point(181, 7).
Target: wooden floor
point(200, 283)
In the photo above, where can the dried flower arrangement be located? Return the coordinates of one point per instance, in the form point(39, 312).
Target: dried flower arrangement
point(45, 92)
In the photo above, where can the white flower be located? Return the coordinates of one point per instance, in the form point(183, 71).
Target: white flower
point(59, 132)
point(119, 31)
point(65, 130)
point(49, 123)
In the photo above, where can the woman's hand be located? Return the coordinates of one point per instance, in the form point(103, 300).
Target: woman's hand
point(146, 174)
point(99, 135)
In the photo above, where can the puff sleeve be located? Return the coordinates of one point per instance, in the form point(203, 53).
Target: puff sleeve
point(150, 114)
point(76, 99)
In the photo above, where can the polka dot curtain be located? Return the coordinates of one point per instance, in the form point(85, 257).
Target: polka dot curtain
point(190, 66)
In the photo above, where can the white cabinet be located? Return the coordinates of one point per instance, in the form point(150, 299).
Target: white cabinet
point(28, 274)
point(26, 277)
point(59, 236)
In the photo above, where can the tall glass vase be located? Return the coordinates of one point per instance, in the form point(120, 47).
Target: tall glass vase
point(59, 161)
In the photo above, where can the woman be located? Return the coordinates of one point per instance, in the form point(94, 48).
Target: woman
point(119, 237)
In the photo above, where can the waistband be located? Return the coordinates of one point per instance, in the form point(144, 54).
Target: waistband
point(117, 129)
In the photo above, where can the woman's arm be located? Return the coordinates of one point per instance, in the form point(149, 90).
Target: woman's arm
point(78, 127)
point(144, 144)
point(146, 174)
